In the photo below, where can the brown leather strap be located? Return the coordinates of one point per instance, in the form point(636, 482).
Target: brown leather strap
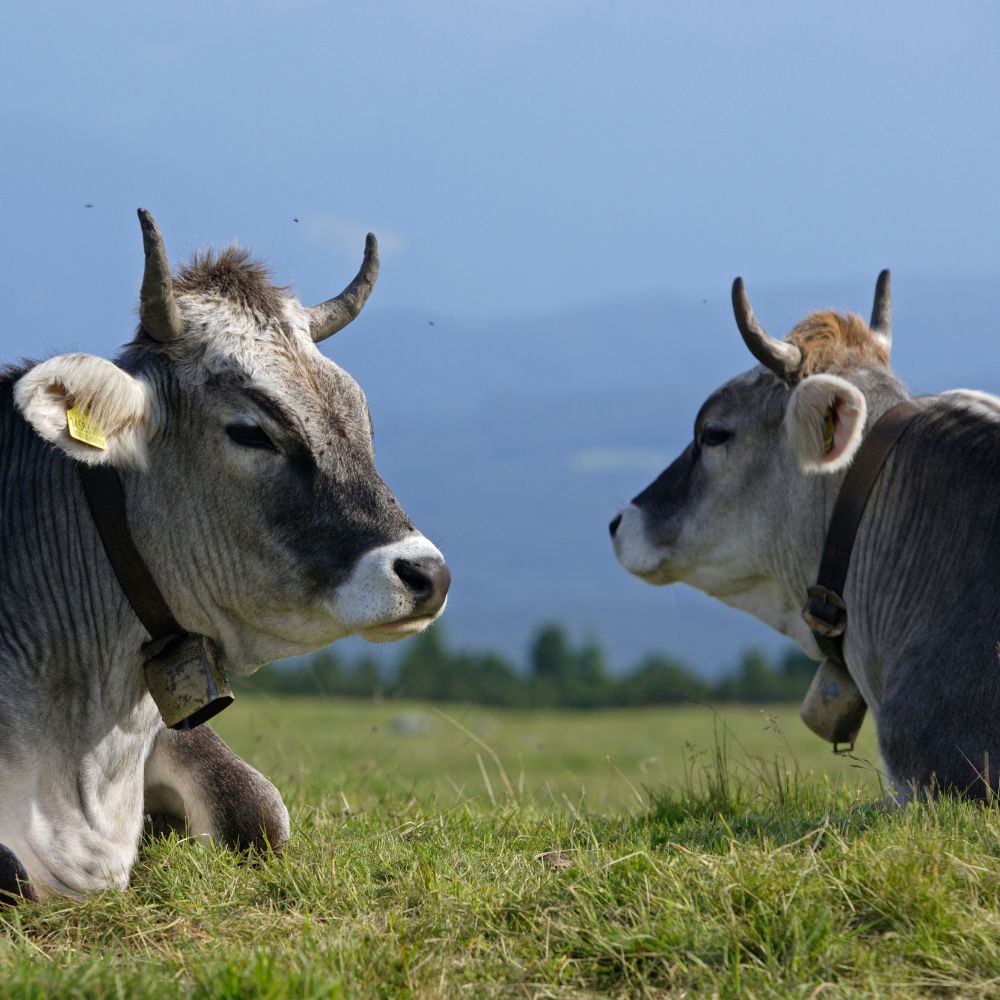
point(106, 500)
point(825, 612)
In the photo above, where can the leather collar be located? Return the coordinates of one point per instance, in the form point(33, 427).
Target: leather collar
point(184, 673)
point(106, 500)
point(825, 611)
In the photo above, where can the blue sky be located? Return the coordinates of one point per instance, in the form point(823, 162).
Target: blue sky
point(516, 157)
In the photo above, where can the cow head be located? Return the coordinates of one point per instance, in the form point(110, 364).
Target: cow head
point(247, 459)
point(741, 514)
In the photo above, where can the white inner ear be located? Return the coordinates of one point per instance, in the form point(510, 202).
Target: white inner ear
point(825, 422)
point(117, 402)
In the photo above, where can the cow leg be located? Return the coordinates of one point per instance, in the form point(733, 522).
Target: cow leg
point(194, 782)
point(935, 739)
point(14, 882)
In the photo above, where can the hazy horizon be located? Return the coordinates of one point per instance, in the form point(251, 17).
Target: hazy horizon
point(539, 175)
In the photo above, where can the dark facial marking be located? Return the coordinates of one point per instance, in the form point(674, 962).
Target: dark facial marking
point(672, 485)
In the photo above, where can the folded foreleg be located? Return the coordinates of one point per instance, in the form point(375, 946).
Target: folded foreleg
point(196, 783)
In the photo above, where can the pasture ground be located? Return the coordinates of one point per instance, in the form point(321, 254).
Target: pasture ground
point(667, 852)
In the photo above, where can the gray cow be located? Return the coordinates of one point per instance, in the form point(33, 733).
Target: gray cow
point(742, 515)
point(252, 496)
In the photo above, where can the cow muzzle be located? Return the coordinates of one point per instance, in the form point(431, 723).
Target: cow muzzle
point(393, 591)
point(633, 548)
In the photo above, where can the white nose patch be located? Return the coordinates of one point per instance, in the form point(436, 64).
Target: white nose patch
point(374, 594)
point(631, 545)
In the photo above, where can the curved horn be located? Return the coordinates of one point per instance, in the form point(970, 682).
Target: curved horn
point(158, 312)
point(781, 357)
point(334, 314)
point(881, 324)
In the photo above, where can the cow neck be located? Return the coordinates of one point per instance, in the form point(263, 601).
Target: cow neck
point(825, 611)
point(106, 500)
point(184, 673)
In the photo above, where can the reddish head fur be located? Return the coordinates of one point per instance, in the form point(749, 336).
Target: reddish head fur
point(832, 342)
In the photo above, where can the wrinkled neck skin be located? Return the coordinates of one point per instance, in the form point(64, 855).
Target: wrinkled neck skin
point(200, 582)
point(766, 570)
point(70, 664)
point(919, 589)
point(61, 602)
point(195, 557)
point(777, 596)
point(44, 506)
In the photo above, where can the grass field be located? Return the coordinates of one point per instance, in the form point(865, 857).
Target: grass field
point(486, 853)
point(366, 754)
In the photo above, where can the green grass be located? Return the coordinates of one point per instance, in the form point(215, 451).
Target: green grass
point(367, 753)
point(453, 856)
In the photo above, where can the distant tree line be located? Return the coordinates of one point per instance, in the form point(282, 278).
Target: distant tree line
point(559, 674)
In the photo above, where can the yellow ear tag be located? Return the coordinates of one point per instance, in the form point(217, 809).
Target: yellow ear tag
point(828, 429)
point(82, 428)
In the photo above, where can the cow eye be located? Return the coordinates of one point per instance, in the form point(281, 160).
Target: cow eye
point(712, 436)
point(250, 436)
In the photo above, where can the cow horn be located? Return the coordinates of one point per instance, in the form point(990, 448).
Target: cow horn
point(158, 312)
point(881, 324)
point(334, 314)
point(780, 356)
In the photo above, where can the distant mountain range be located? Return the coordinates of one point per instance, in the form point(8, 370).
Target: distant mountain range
point(512, 442)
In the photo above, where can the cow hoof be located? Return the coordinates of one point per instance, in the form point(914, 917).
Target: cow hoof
point(15, 886)
point(258, 833)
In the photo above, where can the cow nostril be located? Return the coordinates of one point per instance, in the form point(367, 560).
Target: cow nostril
point(613, 526)
point(427, 581)
point(417, 582)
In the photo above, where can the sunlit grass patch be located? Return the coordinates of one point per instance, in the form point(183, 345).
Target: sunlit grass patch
point(468, 873)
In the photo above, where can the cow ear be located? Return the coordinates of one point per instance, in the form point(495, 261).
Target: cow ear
point(825, 421)
point(88, 407)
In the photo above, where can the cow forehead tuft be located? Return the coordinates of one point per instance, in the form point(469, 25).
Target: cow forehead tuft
point(233, 274)
point(831, 341)
point(242, 329)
